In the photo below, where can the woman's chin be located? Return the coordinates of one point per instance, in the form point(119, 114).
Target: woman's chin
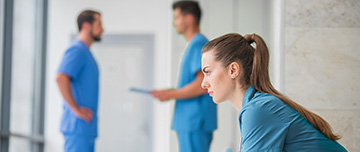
point(217, 101)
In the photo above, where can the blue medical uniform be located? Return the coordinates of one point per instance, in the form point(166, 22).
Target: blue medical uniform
point(195, 118)
point(79, 64)
point(268, 124)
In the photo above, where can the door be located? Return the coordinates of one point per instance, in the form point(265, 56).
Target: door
point(125, 118)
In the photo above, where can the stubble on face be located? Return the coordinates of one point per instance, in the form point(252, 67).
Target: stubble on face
point(96, 26)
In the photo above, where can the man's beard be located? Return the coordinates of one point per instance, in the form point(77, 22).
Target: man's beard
point(95, 38)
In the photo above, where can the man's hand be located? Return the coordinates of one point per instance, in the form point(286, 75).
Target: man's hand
point(164, 95)
point(64, 84)
point(84, 113)
point(191, 90)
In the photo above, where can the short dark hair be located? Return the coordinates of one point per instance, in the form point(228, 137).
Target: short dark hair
point(86, 16)
point(189, 7)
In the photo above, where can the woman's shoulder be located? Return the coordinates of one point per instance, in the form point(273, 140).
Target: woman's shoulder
point(268, 104)
point(265, 100)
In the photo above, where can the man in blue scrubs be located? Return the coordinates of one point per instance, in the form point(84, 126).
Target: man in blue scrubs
point(78, 82)
point(194, 117)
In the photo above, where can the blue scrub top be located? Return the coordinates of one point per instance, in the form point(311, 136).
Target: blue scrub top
point(268, 124)
point(199, 113)
point(79, 64)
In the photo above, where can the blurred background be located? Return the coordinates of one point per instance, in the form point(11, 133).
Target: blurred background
point(315, 60)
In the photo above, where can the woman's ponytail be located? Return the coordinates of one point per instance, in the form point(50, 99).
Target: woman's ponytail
point(260, 80)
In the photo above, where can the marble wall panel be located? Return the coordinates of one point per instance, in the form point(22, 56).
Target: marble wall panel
point(322, 67)
point(322, 62)
point(322, 13)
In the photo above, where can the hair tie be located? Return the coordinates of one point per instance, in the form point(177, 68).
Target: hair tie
point(250, 38)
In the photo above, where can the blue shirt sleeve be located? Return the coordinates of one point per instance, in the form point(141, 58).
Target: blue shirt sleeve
point(261, 129)
point(72, 62)
point(195, 58)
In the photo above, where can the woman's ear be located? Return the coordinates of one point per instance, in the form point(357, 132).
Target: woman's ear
point(234, 70)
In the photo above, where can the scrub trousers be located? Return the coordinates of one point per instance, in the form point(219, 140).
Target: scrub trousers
point(195, 141)
point(79, 143)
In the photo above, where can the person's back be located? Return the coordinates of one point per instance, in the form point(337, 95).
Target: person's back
point(270, 124)
point(80, 66)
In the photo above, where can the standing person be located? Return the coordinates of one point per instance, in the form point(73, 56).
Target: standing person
point(269, 121)
point(194, 118)
point(78, 82)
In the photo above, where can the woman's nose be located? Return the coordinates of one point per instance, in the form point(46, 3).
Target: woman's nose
point(204, 84)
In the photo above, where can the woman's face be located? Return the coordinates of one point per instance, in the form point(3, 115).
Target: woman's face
point(217, 79)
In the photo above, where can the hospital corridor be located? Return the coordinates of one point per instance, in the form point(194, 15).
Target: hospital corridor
point(117, 74)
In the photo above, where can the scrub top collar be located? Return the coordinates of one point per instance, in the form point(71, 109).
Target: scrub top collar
point(82, 44)
point(249, 94)
point(197, 34)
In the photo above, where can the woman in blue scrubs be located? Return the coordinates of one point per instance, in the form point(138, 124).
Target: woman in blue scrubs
point(235, 71)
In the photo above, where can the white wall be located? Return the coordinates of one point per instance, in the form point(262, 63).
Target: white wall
point(119, 17)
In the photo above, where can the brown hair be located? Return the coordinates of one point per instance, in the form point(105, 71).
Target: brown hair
point(189, 7)
point(254, 62)
point(86, 16)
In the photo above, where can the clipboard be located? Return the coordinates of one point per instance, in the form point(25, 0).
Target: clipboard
point(138, 90)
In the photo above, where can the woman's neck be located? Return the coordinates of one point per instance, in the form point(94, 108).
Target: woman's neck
point(237, 99)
